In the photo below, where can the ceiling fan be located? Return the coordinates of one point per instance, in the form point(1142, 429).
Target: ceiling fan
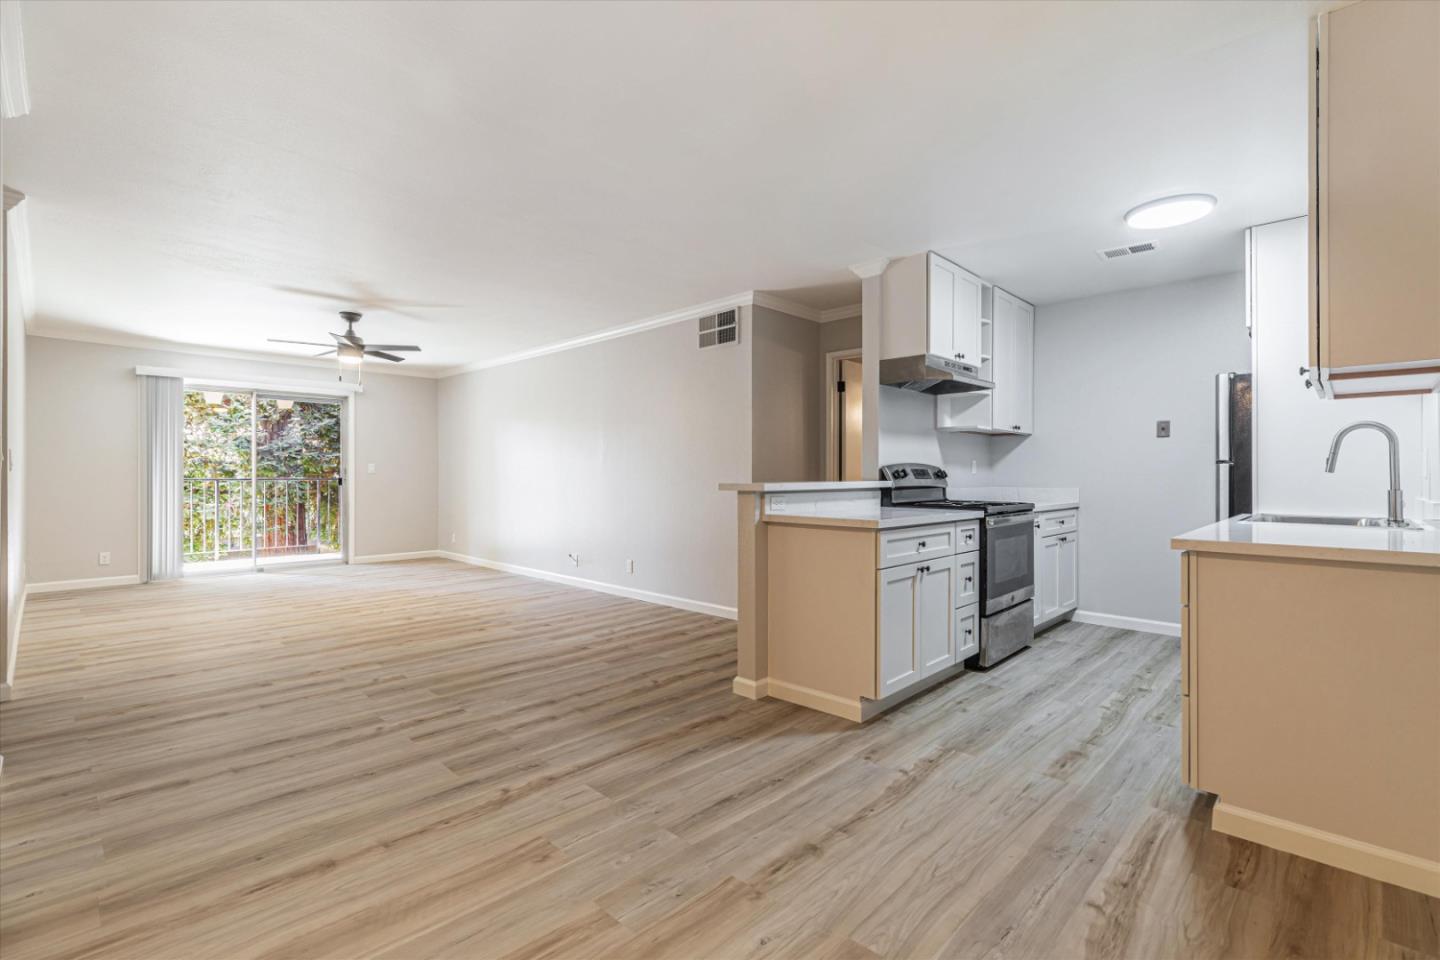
point(351, 348)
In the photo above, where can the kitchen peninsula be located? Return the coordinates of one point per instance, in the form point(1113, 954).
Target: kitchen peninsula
point(851, 601)
point(1310, 682)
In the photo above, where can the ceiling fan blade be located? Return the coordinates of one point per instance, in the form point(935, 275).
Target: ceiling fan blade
point(303, 343)
point(392, 346)
point(326, 353)
point(347, 338)
point(383, 355)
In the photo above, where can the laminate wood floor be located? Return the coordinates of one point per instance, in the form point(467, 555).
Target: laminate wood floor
point(432, 760)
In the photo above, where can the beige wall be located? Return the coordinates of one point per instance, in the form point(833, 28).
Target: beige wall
point(612, 452)
point(786, 415)
point(84, 459)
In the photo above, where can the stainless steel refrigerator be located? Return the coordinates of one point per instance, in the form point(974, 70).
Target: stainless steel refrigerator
point(1234, 405)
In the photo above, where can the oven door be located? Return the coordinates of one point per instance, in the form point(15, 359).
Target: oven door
point(1009, 561)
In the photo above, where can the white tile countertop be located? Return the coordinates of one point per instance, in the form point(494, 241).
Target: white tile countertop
point(1316, 541)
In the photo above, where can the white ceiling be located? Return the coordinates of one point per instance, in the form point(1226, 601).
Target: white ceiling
point(545, 171)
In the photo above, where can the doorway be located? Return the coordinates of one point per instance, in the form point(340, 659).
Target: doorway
point(263, 480)
point(844, 417)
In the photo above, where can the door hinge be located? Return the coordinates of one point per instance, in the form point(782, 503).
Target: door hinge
point(839, 386)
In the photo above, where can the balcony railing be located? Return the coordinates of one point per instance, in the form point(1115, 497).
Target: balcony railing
point(291, 516)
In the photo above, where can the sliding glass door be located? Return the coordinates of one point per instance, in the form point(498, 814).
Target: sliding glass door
point(263, 481)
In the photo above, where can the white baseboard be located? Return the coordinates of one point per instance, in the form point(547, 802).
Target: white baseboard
point(93, 583)
point(1163, 627)
point(1347, 853)
point(664, 599)
point(391, 557)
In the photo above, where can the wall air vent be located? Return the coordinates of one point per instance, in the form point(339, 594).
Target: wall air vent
point(1115, 253)
point(720, 328)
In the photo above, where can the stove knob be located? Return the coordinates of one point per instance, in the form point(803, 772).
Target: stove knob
point(900, 474)
point(941, 474)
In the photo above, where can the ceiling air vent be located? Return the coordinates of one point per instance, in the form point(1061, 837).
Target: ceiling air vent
point(1115, 253)
point(720, 328)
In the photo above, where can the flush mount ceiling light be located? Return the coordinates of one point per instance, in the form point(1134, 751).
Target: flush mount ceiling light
point(1170, 211)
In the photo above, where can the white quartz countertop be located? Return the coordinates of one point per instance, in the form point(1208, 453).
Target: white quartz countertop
point(886, 518)
point(1316, 541)
point(798, 486)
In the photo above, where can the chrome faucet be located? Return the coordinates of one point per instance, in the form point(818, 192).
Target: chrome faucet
point(1396, 517)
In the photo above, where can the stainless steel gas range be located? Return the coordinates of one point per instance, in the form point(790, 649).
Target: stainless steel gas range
point(1007, 556)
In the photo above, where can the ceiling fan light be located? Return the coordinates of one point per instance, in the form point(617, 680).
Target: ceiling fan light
point(1170, 211)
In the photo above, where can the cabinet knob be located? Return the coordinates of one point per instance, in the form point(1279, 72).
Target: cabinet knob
point(960, 356)
point(1016, 427)
point(920, 545)
point(969, 579)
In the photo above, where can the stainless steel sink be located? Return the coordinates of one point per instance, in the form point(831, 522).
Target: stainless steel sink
point(1333, 521)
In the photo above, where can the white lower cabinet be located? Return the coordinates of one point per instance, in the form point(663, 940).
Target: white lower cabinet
point(1057, 567)
point(917, 607)
point(967, 631)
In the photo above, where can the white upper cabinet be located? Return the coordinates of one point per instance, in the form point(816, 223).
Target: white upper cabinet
point(931, 306)
point(1008, 335)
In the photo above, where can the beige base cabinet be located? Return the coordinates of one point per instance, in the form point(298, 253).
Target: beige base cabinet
point(1374, 195)
point(1310, 694)
point(858, 619)
point(1057, 565)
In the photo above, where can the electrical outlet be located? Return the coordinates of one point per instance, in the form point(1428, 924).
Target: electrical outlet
point(973, 465)
point(369, 468)
point(778, 504)
point(105, 558)
point(1162, 428)
point(629, 566)
point(452, 536)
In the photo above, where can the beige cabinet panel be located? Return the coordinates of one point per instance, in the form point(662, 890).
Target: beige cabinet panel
point(1375, 193)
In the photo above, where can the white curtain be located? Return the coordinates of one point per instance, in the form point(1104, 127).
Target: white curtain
point(164, 469)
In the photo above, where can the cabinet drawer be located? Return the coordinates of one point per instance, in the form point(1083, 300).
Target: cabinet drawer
point(967, 536)
point(967, 579)
point(912, 544)
point(967, 631)
point(1059, 521)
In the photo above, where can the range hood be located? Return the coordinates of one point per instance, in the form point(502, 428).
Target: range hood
point(929, 373)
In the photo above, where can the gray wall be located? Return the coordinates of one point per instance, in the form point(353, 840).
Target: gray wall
point(787, 415)
point(1107, 368)
point(84, 458)
point(611, 451)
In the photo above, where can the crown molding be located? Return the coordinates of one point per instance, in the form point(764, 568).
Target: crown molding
point(113, 338)
point(746, 299)
point(840, 313)
point(772, 302)
point(17, 243)
point(14, 85)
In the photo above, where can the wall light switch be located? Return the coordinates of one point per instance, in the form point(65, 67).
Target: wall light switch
point(369, 468)
point(629, 566)
point(1162, 428)
point(105, 558)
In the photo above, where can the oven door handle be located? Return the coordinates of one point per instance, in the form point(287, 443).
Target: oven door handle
point(1011, 520)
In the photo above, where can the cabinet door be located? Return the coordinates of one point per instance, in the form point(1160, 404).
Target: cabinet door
point(967, 632)
point(934, 615)
point(941, 310)
point(1022, 368)
point(1067, 575)
point(1047, 578)
point(899, 653)
point(1039, 605)
point(1002, 331)
point(1377, 160)
point(967, 579)
point(969, 296)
